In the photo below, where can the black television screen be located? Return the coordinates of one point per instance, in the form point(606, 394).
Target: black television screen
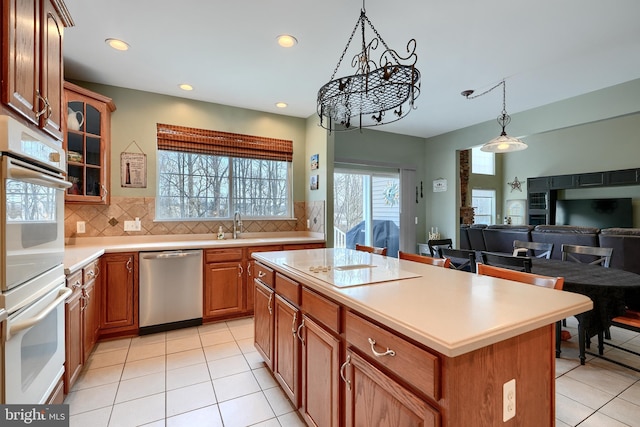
point(599, 213)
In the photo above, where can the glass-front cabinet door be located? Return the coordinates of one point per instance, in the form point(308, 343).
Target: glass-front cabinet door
point(87, 143)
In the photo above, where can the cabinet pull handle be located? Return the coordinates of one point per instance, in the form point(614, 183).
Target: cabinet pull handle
point(269, 304)
point(377, 354)
point(342, 369)
point(249, 274)
point(44, 105)
point(240, 270)
point(97, 269)
point(261, 274)
point(91, 274)
point(128, 265)
point(77, 284)
point(300, 330)
point(104, 192)
point(294, 328)
point(48, 108)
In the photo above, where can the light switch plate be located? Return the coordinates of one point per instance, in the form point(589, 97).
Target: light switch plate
point(80, 227)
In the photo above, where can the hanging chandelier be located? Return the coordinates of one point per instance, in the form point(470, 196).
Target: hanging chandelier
point(503, 143)
point(378, 93)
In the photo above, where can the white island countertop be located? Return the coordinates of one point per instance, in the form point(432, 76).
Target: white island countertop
point(452, 312)
point(80, 251)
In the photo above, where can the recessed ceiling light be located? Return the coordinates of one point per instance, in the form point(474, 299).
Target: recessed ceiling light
point(281, 104)
point(185, 86)
point(117, 44)
point(285, 40)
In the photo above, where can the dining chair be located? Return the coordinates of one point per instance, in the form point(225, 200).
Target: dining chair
point(530, 279)
point(500, 260)
point(461, 259)
point(532, 249)
point(438, 262)
point(434, 244)
point(371, 249)
point(578, 253)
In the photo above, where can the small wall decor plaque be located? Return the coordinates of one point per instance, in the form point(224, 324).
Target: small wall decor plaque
point(439, 185)
point(314, 182)
point(315, 161)
point(133, 168)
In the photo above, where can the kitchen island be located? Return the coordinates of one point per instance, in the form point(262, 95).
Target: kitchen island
point(372, 340)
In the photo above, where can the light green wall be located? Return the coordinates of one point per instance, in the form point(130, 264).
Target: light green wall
point(138, 112)
point(593, 132)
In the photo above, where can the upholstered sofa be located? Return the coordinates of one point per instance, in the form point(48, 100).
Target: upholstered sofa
point(499, 238)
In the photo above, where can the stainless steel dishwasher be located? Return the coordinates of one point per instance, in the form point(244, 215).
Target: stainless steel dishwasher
point(170, 290)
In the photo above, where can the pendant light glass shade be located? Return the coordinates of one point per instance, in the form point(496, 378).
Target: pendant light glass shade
point(504, 144)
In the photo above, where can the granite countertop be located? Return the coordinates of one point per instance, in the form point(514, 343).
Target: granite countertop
point(80, 251)
point(452, 312)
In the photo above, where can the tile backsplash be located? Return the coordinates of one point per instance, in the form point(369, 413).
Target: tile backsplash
point(109, 220)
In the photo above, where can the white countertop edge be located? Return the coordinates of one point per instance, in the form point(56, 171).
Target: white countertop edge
point(86, 249)
point(447, 348)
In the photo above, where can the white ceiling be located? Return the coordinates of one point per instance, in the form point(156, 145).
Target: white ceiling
point(547, 50)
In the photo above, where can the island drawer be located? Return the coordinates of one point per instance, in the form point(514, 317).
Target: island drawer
point(325, 311)
point(414, 365)
point(223, 255)
point(288, 289)
point(263, 273)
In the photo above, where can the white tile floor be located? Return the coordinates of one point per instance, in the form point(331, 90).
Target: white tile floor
point(212, 376)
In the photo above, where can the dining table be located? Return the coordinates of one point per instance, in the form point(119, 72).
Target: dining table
point(611, 290)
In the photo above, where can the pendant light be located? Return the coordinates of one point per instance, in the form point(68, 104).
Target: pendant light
point(503, 143)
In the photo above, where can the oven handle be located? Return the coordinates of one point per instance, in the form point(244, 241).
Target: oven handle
point(28, 174)
point(26, 324)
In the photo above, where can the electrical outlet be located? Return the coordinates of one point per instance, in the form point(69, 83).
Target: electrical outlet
point(80, 228)
point(509, 400)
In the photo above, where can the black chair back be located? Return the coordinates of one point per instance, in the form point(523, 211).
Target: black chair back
point(461, 259)
point(437, 243)
point(518, 263)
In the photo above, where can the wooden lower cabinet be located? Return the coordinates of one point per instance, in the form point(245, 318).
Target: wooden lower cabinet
point(373, 398)
point(286, 365)
point(263, 321)
point(320, 393)
point(74, 359)
point(81, 321)
point(223, 289)
point(119, 289)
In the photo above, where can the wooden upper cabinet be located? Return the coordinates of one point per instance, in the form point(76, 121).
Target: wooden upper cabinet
point(87, 141)
point(32, 72)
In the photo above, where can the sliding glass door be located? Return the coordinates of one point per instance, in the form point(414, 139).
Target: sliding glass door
point(367, 209)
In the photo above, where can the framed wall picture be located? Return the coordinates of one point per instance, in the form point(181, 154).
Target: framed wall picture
point(315, 161)
point(314, 182)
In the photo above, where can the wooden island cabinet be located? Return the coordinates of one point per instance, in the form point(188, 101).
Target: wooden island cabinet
point(395, 352)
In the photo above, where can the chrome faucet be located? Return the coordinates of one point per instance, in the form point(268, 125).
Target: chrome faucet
point(237, 225)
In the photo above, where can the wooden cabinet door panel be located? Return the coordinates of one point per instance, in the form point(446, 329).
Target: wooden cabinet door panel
point(320, 400)
point(372, 398)
point(74, 359)
point(21, 51)
point(263, 322)
point(223, 290)
point(52, 70)
point(286, 359)
point(90, 318)
point(117, 305)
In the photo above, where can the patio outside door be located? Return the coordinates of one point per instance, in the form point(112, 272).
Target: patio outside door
point(367, 209)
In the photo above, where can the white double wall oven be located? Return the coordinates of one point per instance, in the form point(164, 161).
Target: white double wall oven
point(32, 280)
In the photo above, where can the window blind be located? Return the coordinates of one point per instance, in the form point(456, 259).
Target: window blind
point(204, 141)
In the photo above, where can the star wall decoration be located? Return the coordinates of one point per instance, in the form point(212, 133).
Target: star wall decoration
point(515, 185)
